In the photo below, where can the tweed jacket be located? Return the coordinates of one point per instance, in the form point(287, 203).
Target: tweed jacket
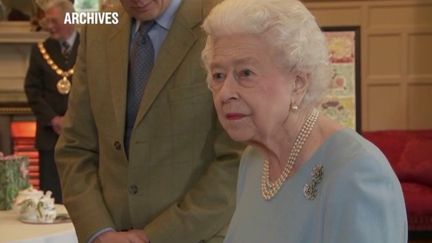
point(178, 183)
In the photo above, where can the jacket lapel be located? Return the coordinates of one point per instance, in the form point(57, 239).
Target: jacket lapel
point(175, 47)
point(118, 51)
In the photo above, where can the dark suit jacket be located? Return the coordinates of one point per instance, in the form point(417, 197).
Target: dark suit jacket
point(42, 95)
point(179, 181)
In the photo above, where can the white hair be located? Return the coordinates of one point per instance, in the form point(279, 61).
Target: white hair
point(64, 5)
point(288, 26)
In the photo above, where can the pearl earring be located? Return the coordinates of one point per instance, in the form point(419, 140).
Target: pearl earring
point(294, 107)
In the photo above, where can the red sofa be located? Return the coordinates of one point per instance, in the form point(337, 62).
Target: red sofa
point(410, 155)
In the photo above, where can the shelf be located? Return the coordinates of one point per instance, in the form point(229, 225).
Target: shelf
point(19, 32)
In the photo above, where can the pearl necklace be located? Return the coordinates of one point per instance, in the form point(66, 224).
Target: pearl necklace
point(270, 189)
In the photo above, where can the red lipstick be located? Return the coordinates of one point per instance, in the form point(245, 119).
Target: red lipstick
point(234, 116)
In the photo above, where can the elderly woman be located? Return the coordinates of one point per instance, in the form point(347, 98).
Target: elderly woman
point(304, 178)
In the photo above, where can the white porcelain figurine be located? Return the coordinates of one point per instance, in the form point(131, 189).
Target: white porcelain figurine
point(35, 207)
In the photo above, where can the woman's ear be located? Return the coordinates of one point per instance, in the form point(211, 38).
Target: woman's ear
point(301, 85)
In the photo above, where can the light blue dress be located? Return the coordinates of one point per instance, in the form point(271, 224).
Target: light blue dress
point(359, 199)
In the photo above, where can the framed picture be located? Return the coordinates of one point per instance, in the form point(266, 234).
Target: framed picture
point(342, 102)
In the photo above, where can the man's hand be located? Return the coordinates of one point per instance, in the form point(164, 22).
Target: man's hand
point(131, 236)
point(56, 124)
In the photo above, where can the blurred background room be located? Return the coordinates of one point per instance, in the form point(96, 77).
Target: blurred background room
point(381, 87)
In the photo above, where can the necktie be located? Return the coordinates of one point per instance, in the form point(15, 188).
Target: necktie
point(65, 51)
point(141, 60)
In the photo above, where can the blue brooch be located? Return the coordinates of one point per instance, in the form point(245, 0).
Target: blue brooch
point(310, 190)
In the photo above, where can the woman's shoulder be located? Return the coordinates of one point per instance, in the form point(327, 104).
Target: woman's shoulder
point(357, 169)
point(347, 150)
point(358, 183)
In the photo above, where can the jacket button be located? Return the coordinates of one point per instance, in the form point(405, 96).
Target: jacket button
point(117, 145)
point(133, 189)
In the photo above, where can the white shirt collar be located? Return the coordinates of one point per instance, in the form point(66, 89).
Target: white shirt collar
point(71, 39)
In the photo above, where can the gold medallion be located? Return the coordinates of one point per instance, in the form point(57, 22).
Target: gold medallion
point(63, 86)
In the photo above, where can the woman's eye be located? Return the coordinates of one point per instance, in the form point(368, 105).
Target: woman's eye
point(218, 76)
point(245, 73)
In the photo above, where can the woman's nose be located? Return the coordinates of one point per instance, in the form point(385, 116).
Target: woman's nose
point(228, 90)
